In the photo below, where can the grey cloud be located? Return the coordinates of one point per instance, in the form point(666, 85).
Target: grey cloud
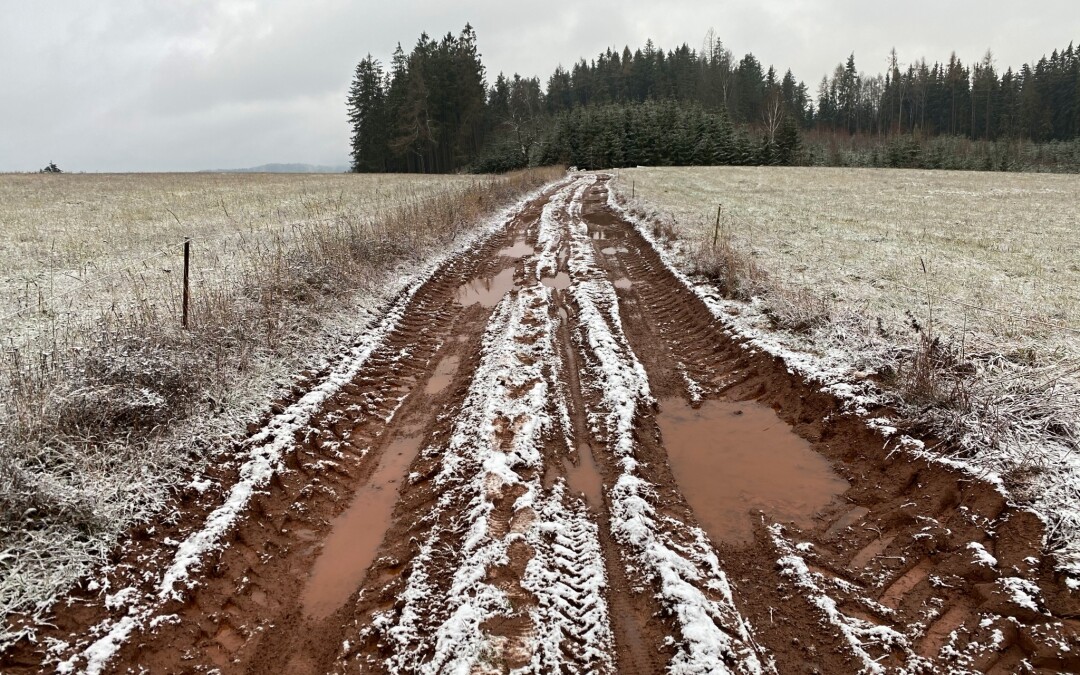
point(137, 85)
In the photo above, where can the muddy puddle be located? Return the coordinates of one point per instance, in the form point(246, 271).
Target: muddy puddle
point(623, 282)
point(732, 459)
point(519, 250)
point(612, 250)
point(488, 291)
point(444, 373)
point(356, 534)
point(560, 281)
point(584, 477)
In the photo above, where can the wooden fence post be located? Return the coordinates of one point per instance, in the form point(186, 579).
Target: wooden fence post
point(716, 230)
point(187, 290)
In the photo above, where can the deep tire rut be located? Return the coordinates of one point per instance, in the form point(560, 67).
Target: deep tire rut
point(534, 518)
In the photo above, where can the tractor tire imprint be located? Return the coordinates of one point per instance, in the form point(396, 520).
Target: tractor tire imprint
point(558, 461)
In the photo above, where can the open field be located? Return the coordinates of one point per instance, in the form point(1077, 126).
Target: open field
point(1001, 250)
point(75, 244)
point(554, 454)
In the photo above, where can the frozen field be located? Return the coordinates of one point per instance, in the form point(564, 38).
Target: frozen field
point(555, 453)
point(76, 244)
point(1001, 251)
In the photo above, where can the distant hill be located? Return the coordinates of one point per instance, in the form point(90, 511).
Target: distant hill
point(283, 168)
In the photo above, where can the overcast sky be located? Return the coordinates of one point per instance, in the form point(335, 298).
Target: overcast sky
point(143, 85)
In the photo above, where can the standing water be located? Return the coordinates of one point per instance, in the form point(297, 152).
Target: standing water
point(444, 374)
point(488, 291)
point(352, 543)
point(733, 458)
point(559, 281)
point(519, 250)
point(584, 477)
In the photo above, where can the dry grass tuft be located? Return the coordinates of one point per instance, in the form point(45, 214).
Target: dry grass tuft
point(738, 275)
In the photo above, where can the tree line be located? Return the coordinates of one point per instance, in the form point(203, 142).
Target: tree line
point(1039, 102)
point(433, 110)
point(651, 133)
point(427, 114)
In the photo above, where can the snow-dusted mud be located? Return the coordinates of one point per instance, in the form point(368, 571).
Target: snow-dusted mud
point(510, 383)
point(546, 611)
point(712, 635)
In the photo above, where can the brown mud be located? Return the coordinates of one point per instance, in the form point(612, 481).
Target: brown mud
point(355, 535)
point(734, 458)
point(324, 552)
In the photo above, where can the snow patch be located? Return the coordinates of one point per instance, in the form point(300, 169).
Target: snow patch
point(980, 556)
point(568, 579)
point(514, 392)
point(1021, 591)
point(861, 635)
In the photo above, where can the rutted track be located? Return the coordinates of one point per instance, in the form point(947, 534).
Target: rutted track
point(499, 557)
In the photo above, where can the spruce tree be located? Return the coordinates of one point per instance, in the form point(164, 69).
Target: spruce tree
point(367, 115)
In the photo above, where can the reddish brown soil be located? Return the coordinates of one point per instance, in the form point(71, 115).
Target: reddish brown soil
point(328, 545)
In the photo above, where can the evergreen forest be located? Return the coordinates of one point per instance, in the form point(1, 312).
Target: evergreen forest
point(433, 110)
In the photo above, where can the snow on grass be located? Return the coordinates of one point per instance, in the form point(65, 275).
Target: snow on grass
point(714, 637)
point(265, 452)
point(515, 392)
point(862, 636)
point(1020, 420)
point(69, 242)
point(1002, 241)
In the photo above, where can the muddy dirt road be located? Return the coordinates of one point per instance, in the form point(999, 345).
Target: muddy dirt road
point(559, 462)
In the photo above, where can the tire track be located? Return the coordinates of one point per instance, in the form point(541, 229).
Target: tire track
point(489, 482)
point(507, 574)
point(231, 611)
point(567, 577)
point(901, 577)
point(639, 647)
point(492, 560)
point(672, 556)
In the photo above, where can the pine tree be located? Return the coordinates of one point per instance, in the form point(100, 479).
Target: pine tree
point(787, 143)
point(433, 110)
point(367, 114)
